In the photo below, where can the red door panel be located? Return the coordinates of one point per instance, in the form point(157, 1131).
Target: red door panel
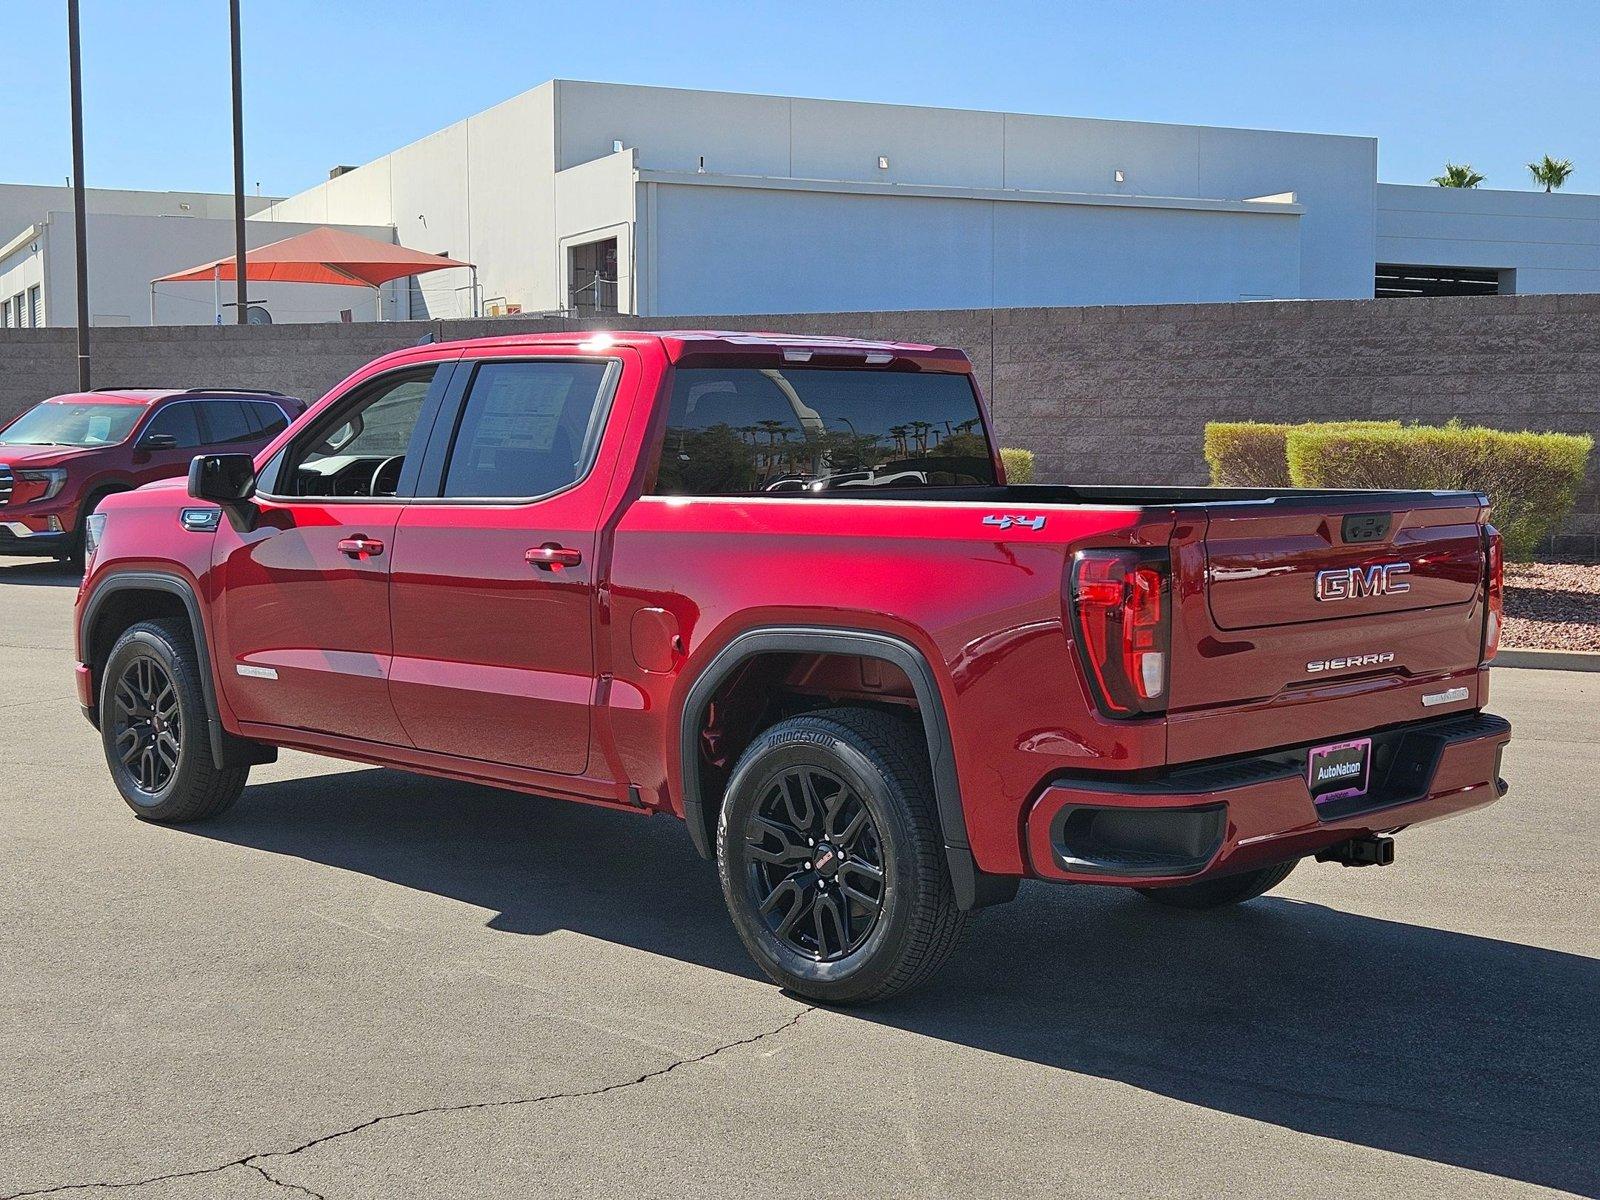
point(304, 626)
point(493, 657)
point(493, 601)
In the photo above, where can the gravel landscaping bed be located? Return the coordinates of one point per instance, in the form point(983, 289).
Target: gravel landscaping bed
point(1552, 606)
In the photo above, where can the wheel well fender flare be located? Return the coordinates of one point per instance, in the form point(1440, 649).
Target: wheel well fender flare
point(226, 749)
point(99, 490)
point(973, 888)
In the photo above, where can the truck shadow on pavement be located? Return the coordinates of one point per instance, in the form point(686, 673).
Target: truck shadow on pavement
point(39, 573)
point(1459, 1049)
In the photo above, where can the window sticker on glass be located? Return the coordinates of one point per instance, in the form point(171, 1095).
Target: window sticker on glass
point(100, 429)
point(525, 428)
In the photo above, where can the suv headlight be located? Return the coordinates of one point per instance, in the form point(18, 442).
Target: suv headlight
point(53, 478)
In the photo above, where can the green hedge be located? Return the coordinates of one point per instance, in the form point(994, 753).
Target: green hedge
point(1018, 464)
point(1531, 479)
point(1253, 454)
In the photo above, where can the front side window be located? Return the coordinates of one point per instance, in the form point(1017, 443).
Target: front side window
point(527, 429)
point(181, 422)
point(359, 448)
point(750, 430)
point(61, 423)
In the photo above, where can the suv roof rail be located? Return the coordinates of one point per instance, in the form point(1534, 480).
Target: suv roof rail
point(235, 391)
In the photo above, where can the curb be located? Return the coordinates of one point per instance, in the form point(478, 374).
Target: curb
point(1550, 660)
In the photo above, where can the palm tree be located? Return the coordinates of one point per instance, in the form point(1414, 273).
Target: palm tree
point(1458, 175)
point(1552, 172)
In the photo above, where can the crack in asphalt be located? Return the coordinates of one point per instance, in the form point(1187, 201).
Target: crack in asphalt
point(276, 1182)
point(252, 1162)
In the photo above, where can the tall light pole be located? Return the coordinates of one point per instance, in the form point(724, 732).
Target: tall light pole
point(241, 309)
point(79, 224)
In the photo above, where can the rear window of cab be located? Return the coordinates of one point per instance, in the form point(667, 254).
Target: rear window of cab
point(754, 430)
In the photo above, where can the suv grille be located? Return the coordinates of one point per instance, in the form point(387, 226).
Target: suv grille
point(6, 482)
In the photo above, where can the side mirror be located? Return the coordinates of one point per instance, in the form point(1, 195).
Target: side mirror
point(227, 480)
point(158, 441)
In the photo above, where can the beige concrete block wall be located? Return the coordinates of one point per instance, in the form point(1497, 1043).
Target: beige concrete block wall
point(1113, 395)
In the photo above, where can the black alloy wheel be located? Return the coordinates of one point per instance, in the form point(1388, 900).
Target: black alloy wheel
point(830, 856)
point(147, 725)
point(156, 727)
point(815, 863)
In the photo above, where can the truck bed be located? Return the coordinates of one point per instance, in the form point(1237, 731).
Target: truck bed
point(1145, 495)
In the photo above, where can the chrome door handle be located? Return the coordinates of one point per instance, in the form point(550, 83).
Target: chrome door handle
point(360, 546)
point(552, 557)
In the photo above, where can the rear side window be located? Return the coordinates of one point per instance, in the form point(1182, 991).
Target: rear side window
point(268, 420)
point(181, 421)
point(227, 422)
point(527, 428)
point(749, 430)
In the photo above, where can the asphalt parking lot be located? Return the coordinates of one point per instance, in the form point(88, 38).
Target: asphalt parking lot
point(363, 983)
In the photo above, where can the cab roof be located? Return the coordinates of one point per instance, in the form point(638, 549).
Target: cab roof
point(682, 344)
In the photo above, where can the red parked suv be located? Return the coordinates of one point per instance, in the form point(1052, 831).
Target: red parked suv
point(778, 587)
point(62, 457)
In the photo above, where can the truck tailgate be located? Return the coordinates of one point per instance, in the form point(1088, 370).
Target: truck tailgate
point(1315, 616)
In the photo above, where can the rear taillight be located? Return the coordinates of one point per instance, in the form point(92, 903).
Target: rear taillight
point(1119, 615)
point(1495, 574)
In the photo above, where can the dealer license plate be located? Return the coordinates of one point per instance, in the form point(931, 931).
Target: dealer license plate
point(1340, 770)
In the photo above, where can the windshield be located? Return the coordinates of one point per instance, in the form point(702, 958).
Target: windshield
point(744, 430)
point(62, 423)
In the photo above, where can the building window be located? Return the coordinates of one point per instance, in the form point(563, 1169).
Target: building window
point(20, 303)
point(592, 278)
point(1396, 280)
point(36, 307)
point(5, 314)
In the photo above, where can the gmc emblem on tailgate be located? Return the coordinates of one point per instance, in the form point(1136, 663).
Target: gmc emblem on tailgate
point(1355, 583)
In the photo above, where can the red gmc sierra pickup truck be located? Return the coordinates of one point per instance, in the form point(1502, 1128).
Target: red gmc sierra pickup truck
point(779, 587)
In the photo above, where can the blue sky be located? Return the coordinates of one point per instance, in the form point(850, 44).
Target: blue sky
point(1491, 82)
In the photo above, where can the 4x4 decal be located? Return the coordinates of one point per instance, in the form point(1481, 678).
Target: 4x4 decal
point(1034, 523)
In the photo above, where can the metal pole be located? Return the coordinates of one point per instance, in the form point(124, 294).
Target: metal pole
point(79, 224)
point(152, 304)
point(242, 313)
point(216, 293)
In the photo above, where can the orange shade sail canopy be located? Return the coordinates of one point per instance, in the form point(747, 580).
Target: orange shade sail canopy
point(321, 256)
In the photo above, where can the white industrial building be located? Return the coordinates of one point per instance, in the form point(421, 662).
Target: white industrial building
point(584, 197)
point(133, 237)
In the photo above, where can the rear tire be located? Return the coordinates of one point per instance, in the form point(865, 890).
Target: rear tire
point(831, 859)
point(1230, 889)
point(156, 729)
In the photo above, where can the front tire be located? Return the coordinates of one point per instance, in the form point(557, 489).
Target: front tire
point(831, 860)
point(1230, 889)
point(156, 729)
